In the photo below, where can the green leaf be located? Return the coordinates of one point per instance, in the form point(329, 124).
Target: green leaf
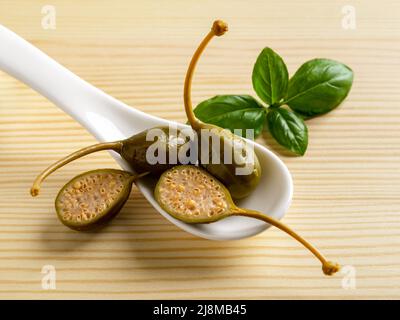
point(270, 77)
point(319, 86)
point(232, 112)
point(288, 129)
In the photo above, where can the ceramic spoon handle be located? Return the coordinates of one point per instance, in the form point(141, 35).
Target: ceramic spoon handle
point(102, 115)
point(33, 67)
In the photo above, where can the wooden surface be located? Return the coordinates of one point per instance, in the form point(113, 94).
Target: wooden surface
point(346, 196)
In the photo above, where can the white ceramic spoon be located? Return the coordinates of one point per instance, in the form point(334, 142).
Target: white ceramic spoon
point(108, 119)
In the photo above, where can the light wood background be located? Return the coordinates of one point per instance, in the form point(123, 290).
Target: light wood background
point(346, 197)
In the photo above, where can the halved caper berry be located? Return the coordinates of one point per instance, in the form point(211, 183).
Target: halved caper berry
point(92, 198)
point(192, 195)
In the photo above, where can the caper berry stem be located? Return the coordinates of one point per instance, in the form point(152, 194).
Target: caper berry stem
point(328, 267)
point(115, 146)
point(218, 29)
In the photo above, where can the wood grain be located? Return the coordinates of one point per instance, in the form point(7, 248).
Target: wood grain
point(346, 197)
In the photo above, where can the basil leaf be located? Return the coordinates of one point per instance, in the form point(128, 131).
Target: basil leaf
point(270, 77)
point(319, 86)
point(233, 112)
point(288, 129)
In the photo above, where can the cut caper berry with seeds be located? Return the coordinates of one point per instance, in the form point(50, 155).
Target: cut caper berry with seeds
point(213, 204)
point(81, 209)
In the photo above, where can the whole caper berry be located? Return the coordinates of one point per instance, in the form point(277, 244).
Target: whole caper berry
point(240, 185)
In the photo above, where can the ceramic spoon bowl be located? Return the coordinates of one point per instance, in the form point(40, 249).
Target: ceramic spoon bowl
point(108, 119)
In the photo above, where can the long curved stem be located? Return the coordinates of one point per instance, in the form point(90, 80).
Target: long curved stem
point(218, 29)
point(328, 267)
point(116, 146)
